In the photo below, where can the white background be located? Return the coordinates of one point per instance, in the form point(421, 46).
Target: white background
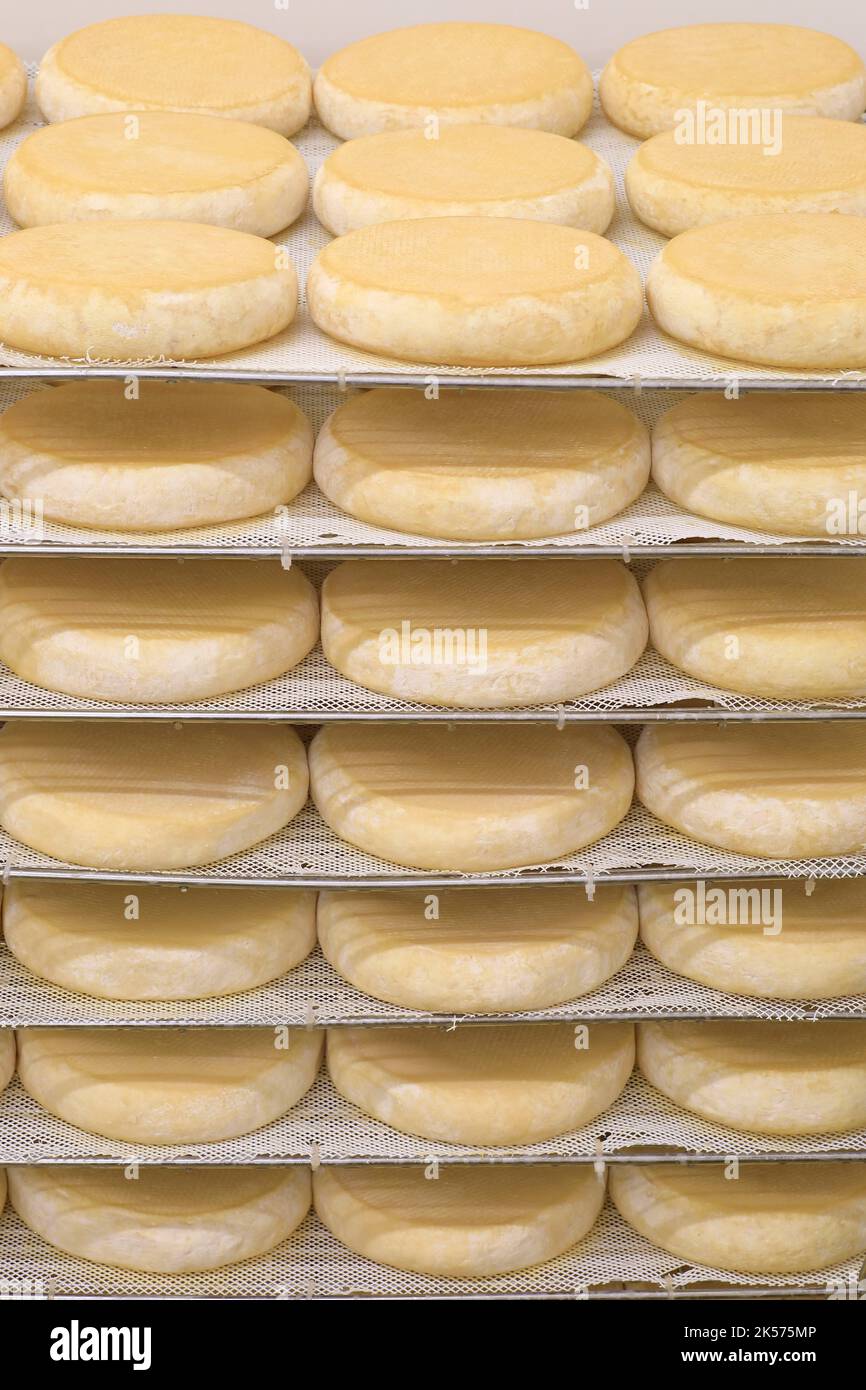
point(318, 27)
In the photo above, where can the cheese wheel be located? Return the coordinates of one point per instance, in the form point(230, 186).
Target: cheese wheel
point(653, 82)
point(147, 796)
point(7, 1061)
point(475, 291)
point(785, 791)
point(785, 461)
point(164, 1220)
point(783, 290)
point(453, 74)
point(150, 631)
point(776, 628)
point(468, 1222)
point(483, 1084)
point(141, 289)
point(805, 164)
point(176, 62)
point(184, 453)
point(467, 171)
point(157, 943)
point(770, 940)
point(157, 165)
point(473, 797)
point(168, 1085)
point(476, 634)
point(759, 1075)
point(484, 951)
point(476, 465)
point(768, 1218)
point(13, 88)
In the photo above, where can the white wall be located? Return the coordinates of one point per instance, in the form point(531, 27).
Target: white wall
point(320, 26)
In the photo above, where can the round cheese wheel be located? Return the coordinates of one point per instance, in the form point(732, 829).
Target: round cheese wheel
point(784, 791)
point(467, 171)
point(768, 1218)
point(157, 165)
point(184, 453)
point(483, 1084)
point(168, 1085)
point(453, 74)
point(141, 289)
point(474, 291)
point(759, 1075)
point(13, 88)
point(481, 465)
point(808, 164)
point(784, 290)
point(476, 634)
point(150, 631)
point(652, 81)
point(776, 628)
point(469, 1221)
point(479, 951)
point(164, 1220)
point(176, 62)
point(147, 796)
point(770, 940)
point(472, 797)
point(7, 1061)
point(157, 943)
point(784, 461)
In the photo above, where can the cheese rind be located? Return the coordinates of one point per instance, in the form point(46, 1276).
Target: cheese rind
point(164, 167)
point(13, 86)
point(472, 797)
point(772, 1218)
point(164, 1220)
point(7, 1061)
point(147, 796)
point(468, 467)
point(485, 1084)
point(471, 1221)
point(476, 634)
point(174, 943)
point(170, 62)
point(453, 73)
point(475, 291)
point(486, 951)
point(165, 1085)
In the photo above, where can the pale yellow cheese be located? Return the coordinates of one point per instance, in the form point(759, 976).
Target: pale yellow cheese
point(808, 164)
point(783, 290)
point(147, 631)
point(467, 171)
point(767, 1218)
point(472, 797)
point(467, 1222)
point(137, 942)
point(651, 81)
point(176, 454)
point(759, 1075)
point(785, 629)
point(480, 950)
point(475, 291)
point(456, 74)
point(162, 1220)
point(157, 165)
point(481, 465)
point(484, 1083)
point(148, 796)
point(7, 1061)
point(13, 86)
point(168, 1085)
point(176, 62)
point(783, 791)
point(787, 461)
point(141, 289)
point(476, 634)
point(767, 940)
